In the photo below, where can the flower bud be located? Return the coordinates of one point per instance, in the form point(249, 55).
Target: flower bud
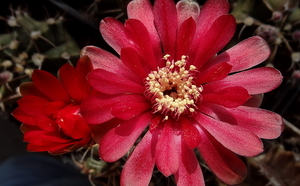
point(14, 44)
point(277, 16)
point(65, 55)
point(17, 60)
point(60, 19)
point(18, 90)
point(23, 55)
point(50, 21)
point(35, 34)
point(6, 63)
point(28, 72)
point(6, 76)
point(296, 74)
point(295, 56)
point(248, 21)
point(19, 68)
point(11, 21)
point(269, 65)
point(268, 32)
point(26, 14)
point(278, 41)
point(18, 12)
point(38, 59)
point(287, 27)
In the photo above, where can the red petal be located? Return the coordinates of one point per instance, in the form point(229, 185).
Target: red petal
point(97, 108)
point(118, 141)
point(254, 101)
point(59, 139)
point(189, 171)
point(256, 81)
point(157, 119)
point(213, 73)
point(128, 106)
point(46, 124)
point(84, 66)
point(111, 83)
point(233, 137)
point(223, 163)
point(40, 148)
point(67, 118)
point(210, 43)
point(113, 33)
point(22, 117)
point(190, 134)
point(80, 130)
point(98, 131)
point(132, 60)
point(166, 154)
point(27, 128)
point(186, 10)
point(228, 97)
point(142, 10)
point(244, 55)
point(185, 37)
point(139, 167)
point(211, 11)
point(263, 123)
point(50, 86)
point(166, 24)
point(52, 147)
point(105, 60)
point(29, 88)
point(54, 106)
point(43, 138)
point(32, 105)
point(75, 84)
point(86, 141)
point(60, 149)
point(136, 31)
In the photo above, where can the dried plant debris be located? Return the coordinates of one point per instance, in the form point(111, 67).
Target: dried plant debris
point(277, 167)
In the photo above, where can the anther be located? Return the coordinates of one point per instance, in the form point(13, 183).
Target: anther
point(171, 88)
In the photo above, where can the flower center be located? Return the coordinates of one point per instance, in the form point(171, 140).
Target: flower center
point(171, 89)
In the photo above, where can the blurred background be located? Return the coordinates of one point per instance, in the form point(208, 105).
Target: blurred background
point(46, 34)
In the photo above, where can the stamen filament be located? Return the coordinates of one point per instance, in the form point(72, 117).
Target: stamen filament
point(171, 89)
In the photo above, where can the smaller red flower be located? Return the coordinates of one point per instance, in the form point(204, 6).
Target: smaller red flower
point(50, 109)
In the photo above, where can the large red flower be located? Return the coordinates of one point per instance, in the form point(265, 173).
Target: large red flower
point(170, 83)
point(50, 109)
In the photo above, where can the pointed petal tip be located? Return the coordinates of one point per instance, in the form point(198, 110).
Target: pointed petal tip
point(139, 167)
point(226, 165)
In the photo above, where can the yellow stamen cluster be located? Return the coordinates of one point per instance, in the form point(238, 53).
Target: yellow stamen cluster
point(171, 88)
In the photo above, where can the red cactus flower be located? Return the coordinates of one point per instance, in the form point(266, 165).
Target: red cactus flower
point(50, 109)
point(170, 85)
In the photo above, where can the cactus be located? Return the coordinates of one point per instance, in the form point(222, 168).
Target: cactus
point(277, 21)
point(29, 45)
